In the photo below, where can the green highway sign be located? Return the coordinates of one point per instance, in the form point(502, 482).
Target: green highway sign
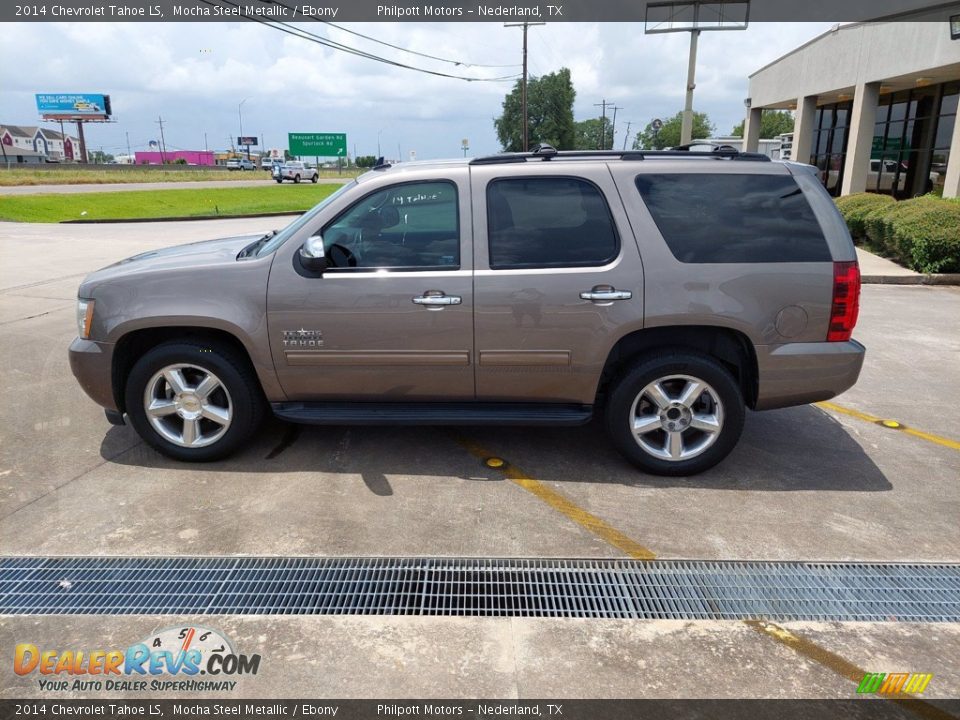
point(318, 144)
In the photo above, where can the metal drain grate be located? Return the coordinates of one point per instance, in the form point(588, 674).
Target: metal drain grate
point(662, 589)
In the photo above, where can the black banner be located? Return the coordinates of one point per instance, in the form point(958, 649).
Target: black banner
point(712, 14)
point(872, 707)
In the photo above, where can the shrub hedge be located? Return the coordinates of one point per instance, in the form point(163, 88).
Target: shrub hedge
point(922, 233)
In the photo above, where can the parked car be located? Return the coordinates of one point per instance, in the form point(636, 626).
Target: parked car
point(296, 171)
point(267, 163)
point(240, 164)
point(664, 295)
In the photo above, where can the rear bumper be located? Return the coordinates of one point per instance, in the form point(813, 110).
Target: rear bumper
point(92, 366)
point(801, 373)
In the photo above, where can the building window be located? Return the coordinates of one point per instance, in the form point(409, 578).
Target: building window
point(831, 129)
point(911, 140)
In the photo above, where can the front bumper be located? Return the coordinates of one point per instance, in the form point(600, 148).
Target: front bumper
point(92, 366)
point(801, 373)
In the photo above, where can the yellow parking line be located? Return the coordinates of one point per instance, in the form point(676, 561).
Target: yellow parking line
point(617, 539)
point(561, 504)
point(891, 424)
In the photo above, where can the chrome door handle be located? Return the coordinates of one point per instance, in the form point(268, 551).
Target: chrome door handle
point(437, 300)
point(606, 295)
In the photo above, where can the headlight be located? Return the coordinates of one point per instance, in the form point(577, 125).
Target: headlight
point(84, 317)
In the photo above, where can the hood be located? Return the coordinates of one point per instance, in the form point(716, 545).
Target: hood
point(222, 251)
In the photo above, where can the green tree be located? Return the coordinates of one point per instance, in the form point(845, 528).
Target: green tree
point(588, 134)
point(549, 113)
point(366, 161)
point(99, 157)
point(772, 123)
point(669, 134)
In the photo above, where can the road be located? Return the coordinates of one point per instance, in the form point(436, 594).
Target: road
point(262, 179)
point(807, 483)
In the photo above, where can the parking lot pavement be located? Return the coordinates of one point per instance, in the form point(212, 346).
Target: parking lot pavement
point(805, 483)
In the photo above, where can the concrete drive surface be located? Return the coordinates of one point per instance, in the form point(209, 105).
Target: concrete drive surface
point(807, 483)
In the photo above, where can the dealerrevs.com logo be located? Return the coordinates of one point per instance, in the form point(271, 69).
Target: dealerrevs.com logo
point(175, 659)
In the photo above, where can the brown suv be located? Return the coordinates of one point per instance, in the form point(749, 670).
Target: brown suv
point(666, 290)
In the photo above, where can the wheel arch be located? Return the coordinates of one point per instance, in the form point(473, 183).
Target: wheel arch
point(135, 344)
point(730, 347)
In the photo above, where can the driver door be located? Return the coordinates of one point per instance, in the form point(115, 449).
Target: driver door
point(392, 318)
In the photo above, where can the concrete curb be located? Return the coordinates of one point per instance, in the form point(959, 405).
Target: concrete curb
point(919, 279)
point(109, 221)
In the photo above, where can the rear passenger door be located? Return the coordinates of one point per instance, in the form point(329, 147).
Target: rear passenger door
point(558, 279)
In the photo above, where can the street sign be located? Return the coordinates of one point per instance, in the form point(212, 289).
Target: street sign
point(318, 144)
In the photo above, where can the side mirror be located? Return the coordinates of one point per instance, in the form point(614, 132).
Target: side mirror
point(312, 255)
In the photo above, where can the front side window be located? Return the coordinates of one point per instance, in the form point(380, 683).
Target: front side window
point(733, 218)
point(412, 226)
point(549, 222)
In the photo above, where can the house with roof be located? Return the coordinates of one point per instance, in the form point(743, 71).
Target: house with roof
point(33, 144)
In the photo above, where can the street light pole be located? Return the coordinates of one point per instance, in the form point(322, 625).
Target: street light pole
point(686, 129)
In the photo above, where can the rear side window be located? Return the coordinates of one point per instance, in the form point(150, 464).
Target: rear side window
point(734, 218)
point(548, 222)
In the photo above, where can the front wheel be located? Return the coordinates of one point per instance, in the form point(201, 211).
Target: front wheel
point(296, 178)
point(314, 179)
point(194, 401)
point(279, 181)
point(675, 414)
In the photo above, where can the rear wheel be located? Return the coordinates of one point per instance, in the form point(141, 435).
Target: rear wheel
point(675, 413)
point(296, 178)
point(314, 179)
point(194, 401)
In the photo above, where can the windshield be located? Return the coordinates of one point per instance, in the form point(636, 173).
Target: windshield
point(281, 237)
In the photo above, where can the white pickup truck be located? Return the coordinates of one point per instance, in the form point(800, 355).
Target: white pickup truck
point(296, 171)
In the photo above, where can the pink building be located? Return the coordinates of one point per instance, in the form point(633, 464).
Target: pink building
point(192, 157)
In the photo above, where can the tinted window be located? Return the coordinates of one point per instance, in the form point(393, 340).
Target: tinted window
point(548, 222)
point(415, 225)
point(734, 218)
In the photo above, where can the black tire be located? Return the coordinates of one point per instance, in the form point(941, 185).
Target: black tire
point(296, 178)
point(629, 385)
point(235, 374)
point(279, 181)
point(314, 179)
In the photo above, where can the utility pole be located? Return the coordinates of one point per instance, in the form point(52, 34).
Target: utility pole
point(206, 148)
point(523, 87)
point(627, 136)
point(129, 154)
point(613, 127)
point(163, 143)
point(686, 129)
point(603, 122)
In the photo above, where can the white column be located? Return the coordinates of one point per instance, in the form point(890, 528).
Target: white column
point(803, 128)
point(860, 141)
point(951, 187)
point(751, 130)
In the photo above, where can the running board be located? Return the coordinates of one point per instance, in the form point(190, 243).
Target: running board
point(466, 413)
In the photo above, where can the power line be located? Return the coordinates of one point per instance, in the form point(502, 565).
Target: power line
point(458, 63)
point(326, 42)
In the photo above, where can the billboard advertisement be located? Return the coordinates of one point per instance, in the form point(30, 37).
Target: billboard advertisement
point(318, 144)
point(65, 106)
point(247, 140)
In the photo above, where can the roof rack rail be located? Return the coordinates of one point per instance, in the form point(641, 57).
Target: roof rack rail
point(546, 153)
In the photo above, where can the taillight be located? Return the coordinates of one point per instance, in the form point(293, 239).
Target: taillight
point(846, 301)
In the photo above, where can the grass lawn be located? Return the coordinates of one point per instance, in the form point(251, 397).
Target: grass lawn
point(201, 202)
point(86, 176)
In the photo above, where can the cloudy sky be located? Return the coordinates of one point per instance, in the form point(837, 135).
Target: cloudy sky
point(195, 75)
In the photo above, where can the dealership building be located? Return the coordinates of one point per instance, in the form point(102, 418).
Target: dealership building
point(875, 107)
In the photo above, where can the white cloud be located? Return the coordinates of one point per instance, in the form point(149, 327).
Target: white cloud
point(196, 74)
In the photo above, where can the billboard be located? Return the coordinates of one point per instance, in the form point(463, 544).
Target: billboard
point(318, 144)
point(69, 106)
point(247, 140)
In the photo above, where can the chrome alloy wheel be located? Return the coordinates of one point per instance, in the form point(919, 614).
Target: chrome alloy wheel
point(676, 417)
point(188, 405)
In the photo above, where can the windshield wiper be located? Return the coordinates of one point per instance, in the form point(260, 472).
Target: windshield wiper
point(252, 249)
